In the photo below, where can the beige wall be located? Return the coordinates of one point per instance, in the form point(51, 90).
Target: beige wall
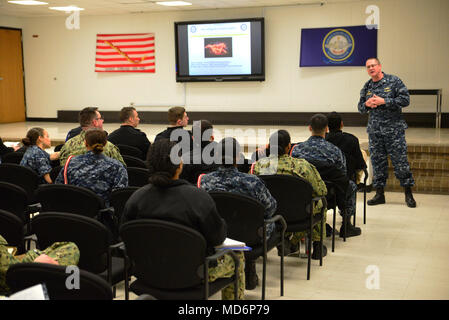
point(413, 43)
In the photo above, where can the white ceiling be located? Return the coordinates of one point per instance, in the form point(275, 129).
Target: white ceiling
point(109, 7)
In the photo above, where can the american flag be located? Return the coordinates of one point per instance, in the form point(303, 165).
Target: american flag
point(125, 53)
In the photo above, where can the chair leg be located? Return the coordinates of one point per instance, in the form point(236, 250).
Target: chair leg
point(114, 291)
point(282, 265)
point(309, 256)
point(264, 269)
point(333, 230)
point(321, 240)
point(364, 204)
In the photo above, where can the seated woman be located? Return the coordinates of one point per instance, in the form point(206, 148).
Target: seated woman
point(35, 157)
point(188, 205)
point(94, 170)
point(228, 178)
point(279, 162)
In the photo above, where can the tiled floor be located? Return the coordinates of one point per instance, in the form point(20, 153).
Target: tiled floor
point(407, 249)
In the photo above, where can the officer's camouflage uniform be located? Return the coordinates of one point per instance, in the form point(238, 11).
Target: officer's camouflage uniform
point(99, 173)
point(386, 129)
point(317, 148)
point(225, 269)
point(285, 164)
point(38, 160)
point(231, 180)
point(76, 146)
point(66, 253)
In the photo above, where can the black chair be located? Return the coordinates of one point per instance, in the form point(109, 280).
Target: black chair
point(126, 150)
point(14, 199)
point(21, 276)
point(119, 198)
point(295, 203)
point(137, 177)
point(134, 162)
point(11, 228)
point(244, 217)
point(70, 199)
point(13, 157)
point(169, 261)
point(23, 177)
point(364, 195)
point(92, 238)
point(332, 204)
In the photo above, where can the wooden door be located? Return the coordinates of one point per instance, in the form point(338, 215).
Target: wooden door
point(12, 94)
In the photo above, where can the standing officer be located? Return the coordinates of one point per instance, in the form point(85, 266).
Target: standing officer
point(383, 97)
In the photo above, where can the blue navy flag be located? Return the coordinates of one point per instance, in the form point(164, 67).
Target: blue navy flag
point(340, 46)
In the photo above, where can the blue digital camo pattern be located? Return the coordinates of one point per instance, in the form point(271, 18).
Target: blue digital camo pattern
point(38, 160)
point(386, 129)
point(99, 173)
point(231, 180)
point(317, 148)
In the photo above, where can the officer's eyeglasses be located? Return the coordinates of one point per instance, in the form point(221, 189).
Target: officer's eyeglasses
point(371, 66)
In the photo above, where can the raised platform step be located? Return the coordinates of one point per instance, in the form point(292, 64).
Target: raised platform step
point(433, 185)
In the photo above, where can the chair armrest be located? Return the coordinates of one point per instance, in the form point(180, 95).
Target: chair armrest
point(33, 208)
point(118, 248)
point(275, 218)
point(365, 171)
point(322, 198)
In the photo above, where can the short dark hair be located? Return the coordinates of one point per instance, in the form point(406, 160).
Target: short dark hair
point(87, 115)
point(318, 123)
point(373, 58)
point(126, 113)
point(203, 125)
point(334, 121)
point(175, 114)
point(278, 142)
point(97, 139)
point(227, 152)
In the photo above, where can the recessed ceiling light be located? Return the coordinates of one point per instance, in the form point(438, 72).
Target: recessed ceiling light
point(28, 2)
point(66, 9)
point(174, 3)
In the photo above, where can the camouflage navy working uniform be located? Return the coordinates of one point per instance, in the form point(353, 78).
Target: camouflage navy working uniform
point(65, 253)
point(386, 129)
point(38, 160)
point(317, 148)
point(229, 179)
point(285, 164)
point(76, 146)
point(96, 172)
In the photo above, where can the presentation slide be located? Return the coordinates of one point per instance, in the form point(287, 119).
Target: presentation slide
point(220, 48)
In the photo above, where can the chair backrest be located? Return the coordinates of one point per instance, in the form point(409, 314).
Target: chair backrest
point(126, 150)
point(137, 177)
point(91, 237)
point(165, 255)
point(70, 199)
point(11, 228)
point(134, 162)
point(91, 287)
point(119, 198)
point(13, 199)
point(22, 176)
point(244, 216)
point(293, 196)
point(13, 157)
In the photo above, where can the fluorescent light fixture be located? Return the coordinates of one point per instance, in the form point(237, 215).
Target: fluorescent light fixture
point(66, 9)
point(28, 2)
point(174, 3)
